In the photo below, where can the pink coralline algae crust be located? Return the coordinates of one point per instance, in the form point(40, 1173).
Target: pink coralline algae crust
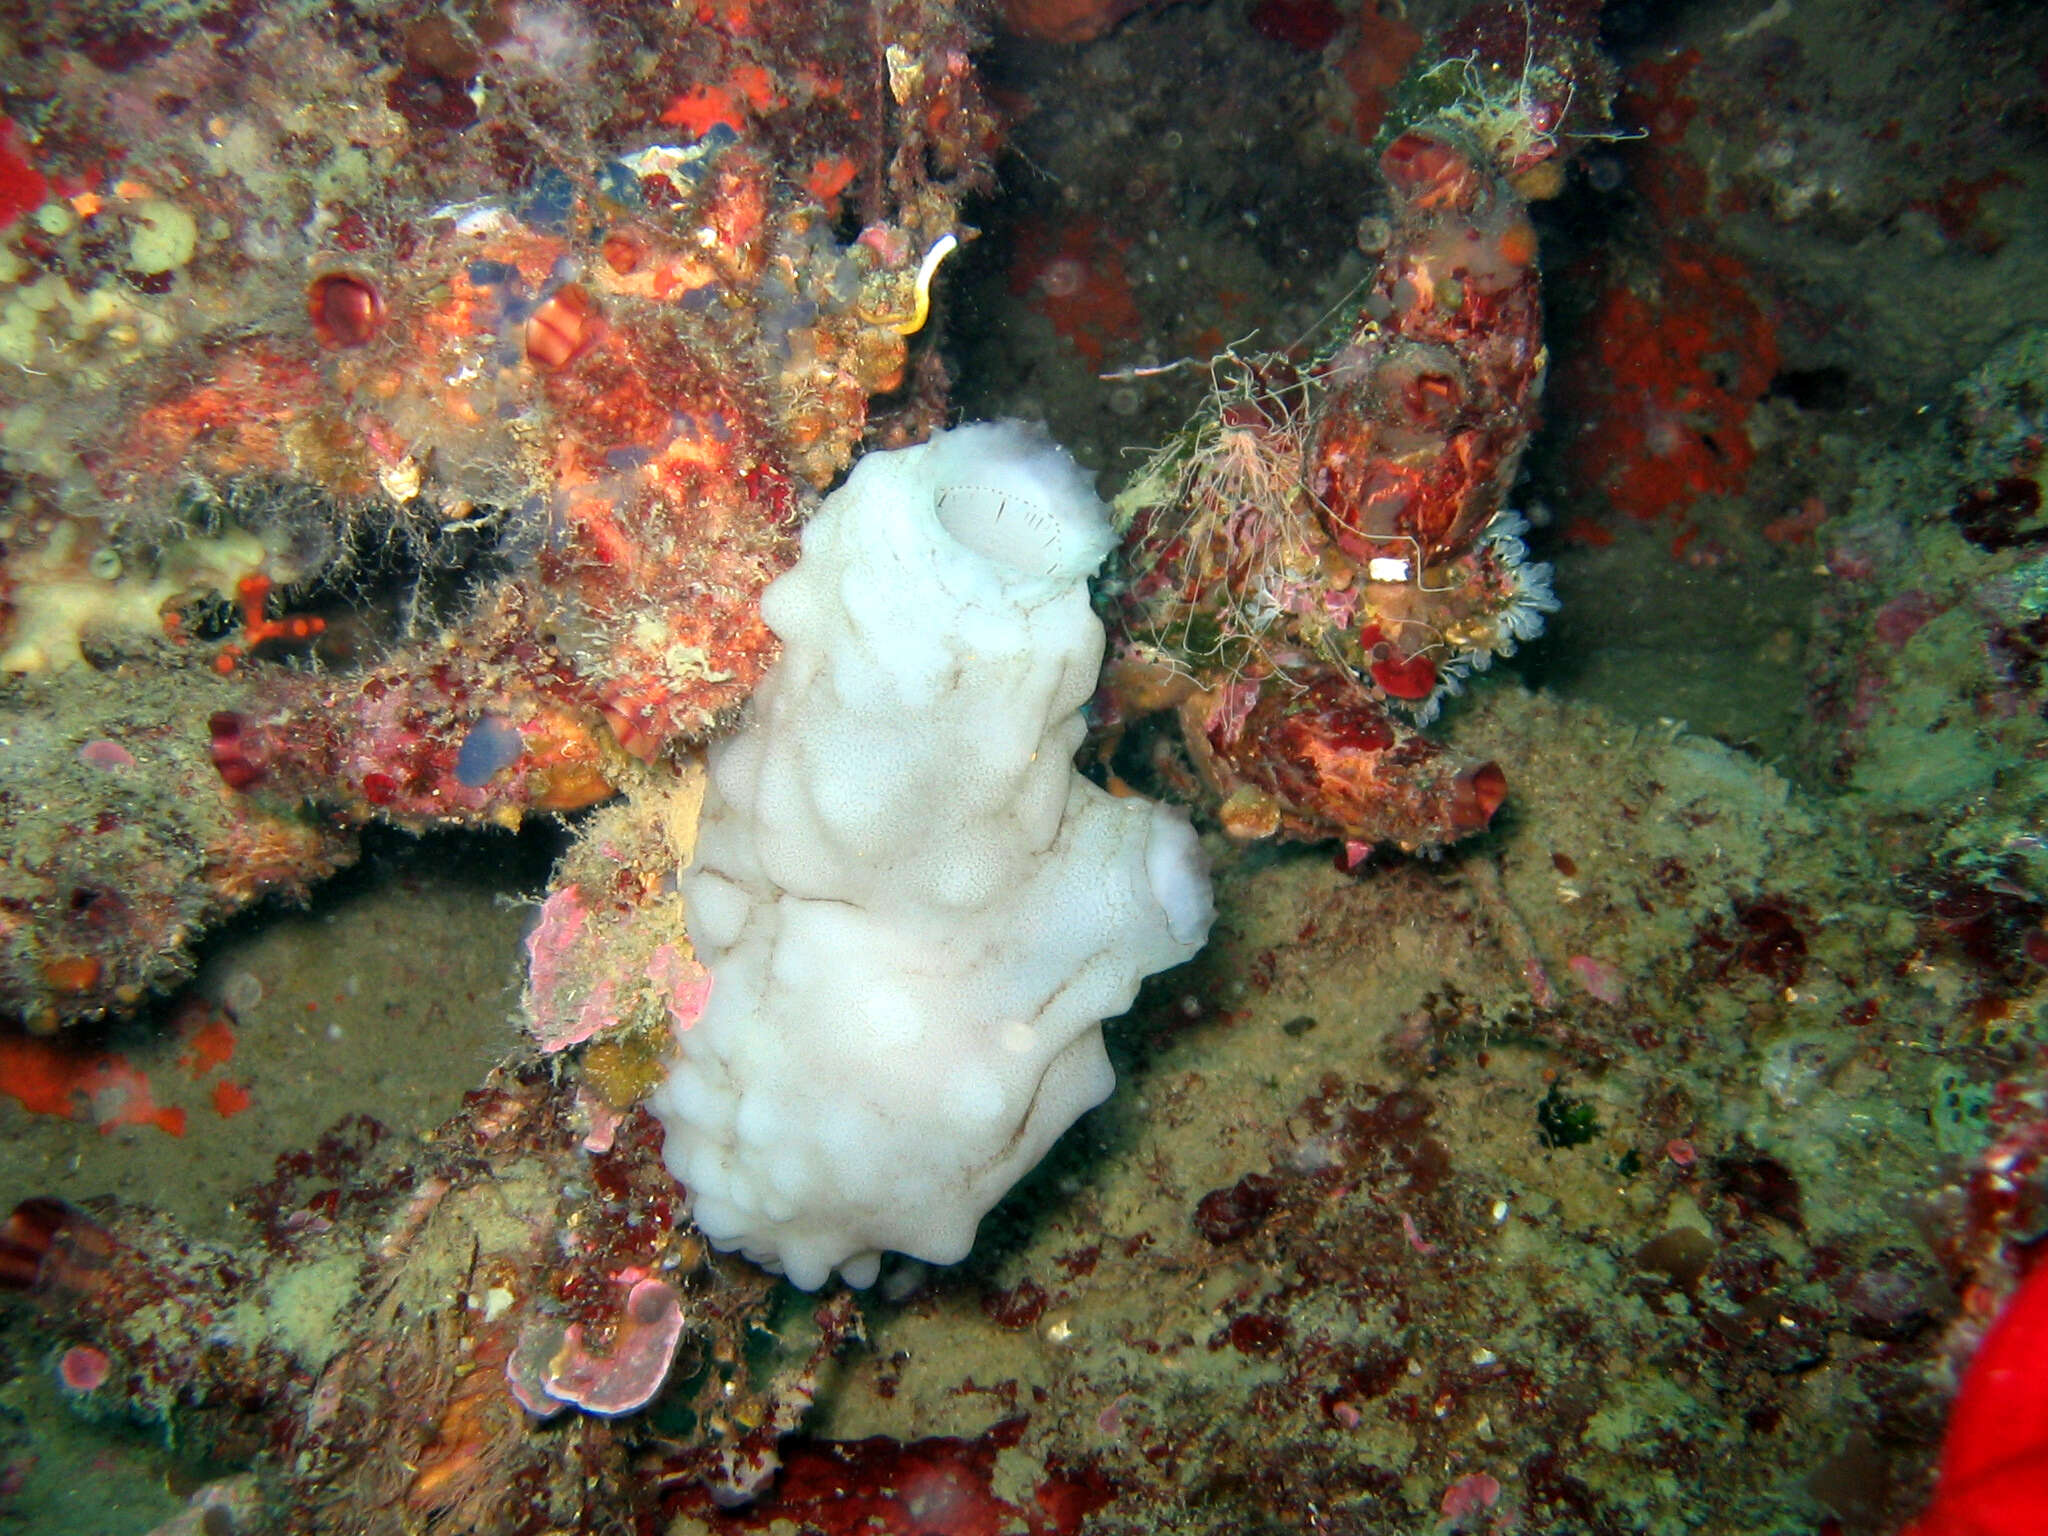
point(685, 985)
point(106, 754)
point(557, 1026)
point(580, 979)
point(552, 1368)
point(1604, 983)
point(1469, 1498)
point(84, 1369)
point(604, 1121)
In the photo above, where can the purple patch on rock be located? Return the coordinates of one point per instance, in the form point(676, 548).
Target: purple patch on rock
point(492, 745)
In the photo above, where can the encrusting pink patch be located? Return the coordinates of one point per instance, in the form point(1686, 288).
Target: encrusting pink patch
point(106, 755)
point(686, 983)
point(84, 1369)
point(1602, 981)
point(557, 1021)
point(1472, 1494)
point(551, 1369)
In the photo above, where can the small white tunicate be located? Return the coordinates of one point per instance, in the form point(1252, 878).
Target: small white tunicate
point(240, 992)
point(1794, 1068)
point(1387, 568)
point(904, 1280)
